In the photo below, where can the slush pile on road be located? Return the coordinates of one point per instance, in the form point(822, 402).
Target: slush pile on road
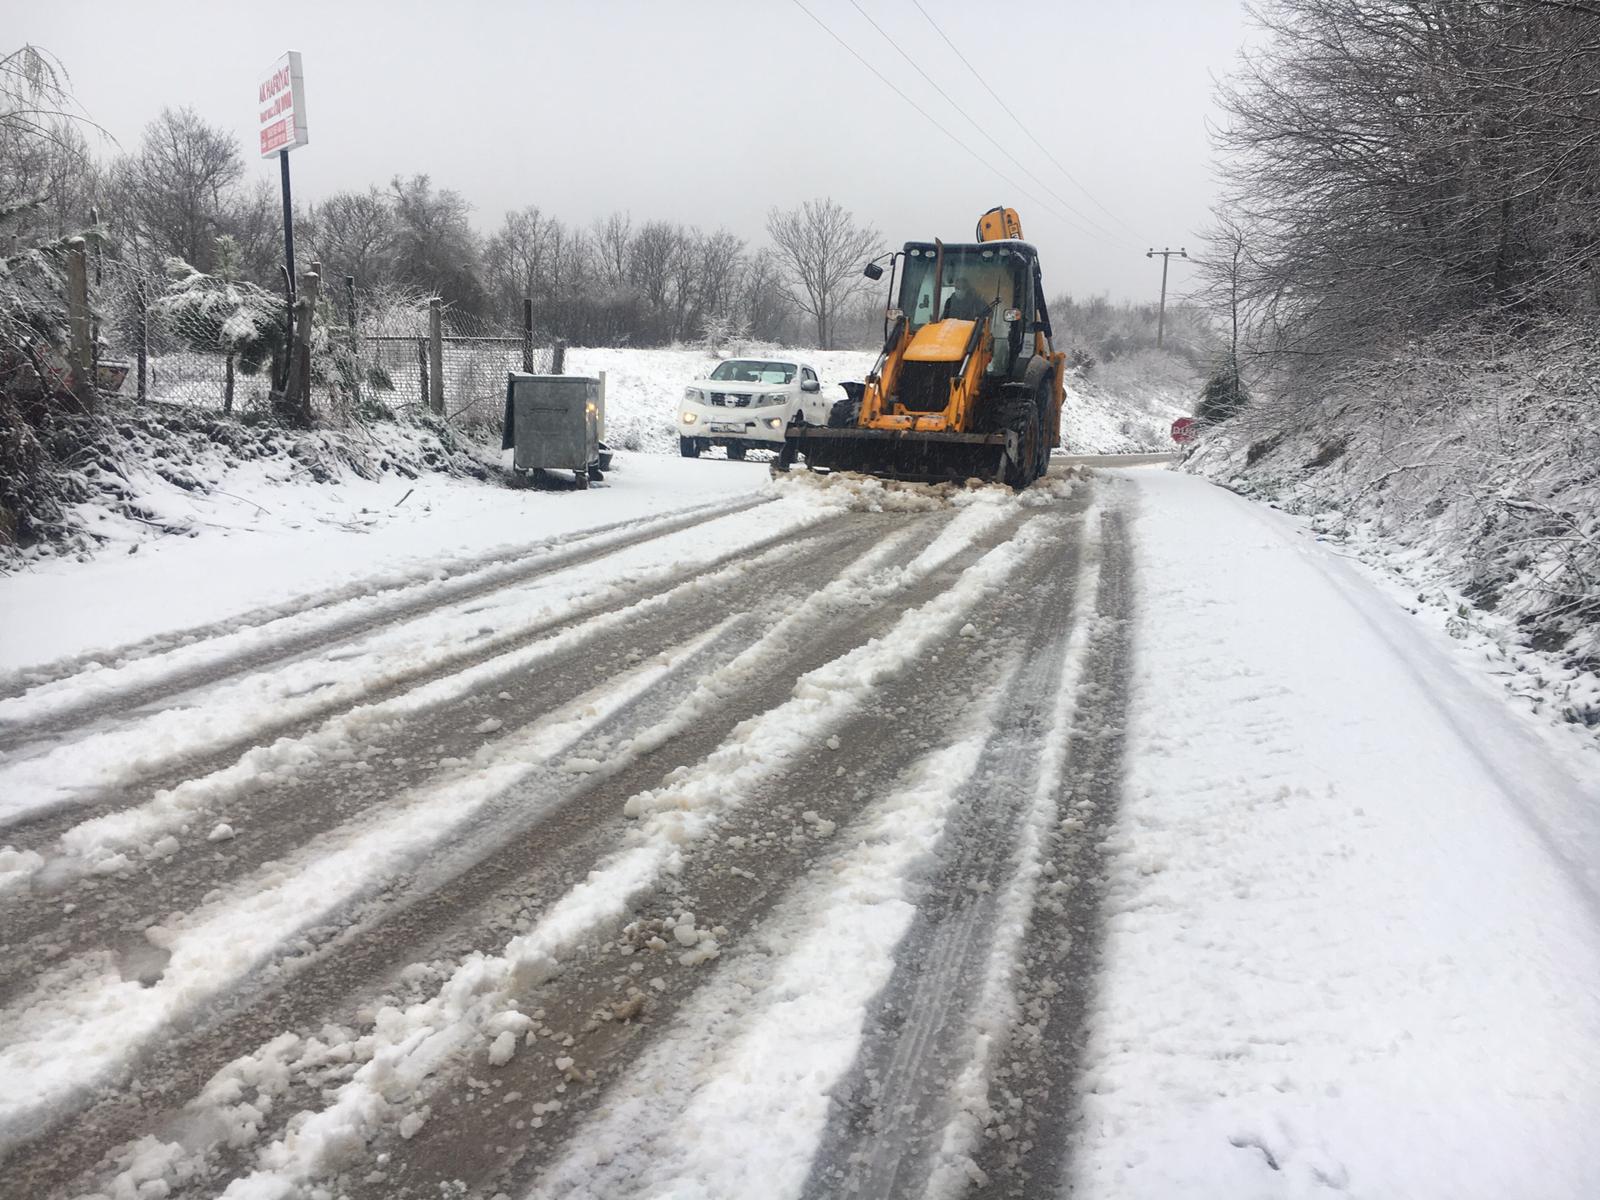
point(563, 874)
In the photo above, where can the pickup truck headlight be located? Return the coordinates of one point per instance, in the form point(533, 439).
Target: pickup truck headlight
point(694, 394)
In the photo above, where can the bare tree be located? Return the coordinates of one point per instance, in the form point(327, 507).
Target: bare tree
point(175, 191)
point(1399, 166)
point(48, 179)
point(763, 296)
point(718, 258)
point(611, 239)
point(517, 259)
point(354, 233)
point(651, 258)
point(436, 248)
point(253, 218)
point(822, 251)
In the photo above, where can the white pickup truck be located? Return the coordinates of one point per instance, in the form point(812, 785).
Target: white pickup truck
point(746, 403)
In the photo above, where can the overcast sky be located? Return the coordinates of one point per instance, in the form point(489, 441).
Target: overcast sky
point(708, 111)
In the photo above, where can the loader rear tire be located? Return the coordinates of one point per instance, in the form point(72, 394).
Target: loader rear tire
point(1022, 419)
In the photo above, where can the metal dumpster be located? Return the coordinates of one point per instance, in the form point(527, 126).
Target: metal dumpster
point(553, 423)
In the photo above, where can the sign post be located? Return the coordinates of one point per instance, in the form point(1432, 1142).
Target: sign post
point(282, 104)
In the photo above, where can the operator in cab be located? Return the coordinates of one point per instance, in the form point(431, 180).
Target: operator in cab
point(965, 304)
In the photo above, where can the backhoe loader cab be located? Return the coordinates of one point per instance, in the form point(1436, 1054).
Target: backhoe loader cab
point(968, 384)
point(991, 282)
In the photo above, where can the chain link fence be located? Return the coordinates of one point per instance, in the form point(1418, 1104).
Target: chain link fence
point(172, 340)
point(178, 337)
point(398, 358)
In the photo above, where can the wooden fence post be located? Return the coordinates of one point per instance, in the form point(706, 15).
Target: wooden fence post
point(355, 341)
point(81, 379)
point(295, 403)
point(142, 351)
point(527, 335)
point(558, 358)
point(436, 356)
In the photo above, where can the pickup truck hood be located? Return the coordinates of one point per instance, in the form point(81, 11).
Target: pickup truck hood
point(743, 389)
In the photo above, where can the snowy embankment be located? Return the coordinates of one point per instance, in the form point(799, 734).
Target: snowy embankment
point(1353, 919)
point(1470, 479)
point(1101, 419)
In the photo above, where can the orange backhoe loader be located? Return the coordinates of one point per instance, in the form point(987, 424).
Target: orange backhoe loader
point(968, 384)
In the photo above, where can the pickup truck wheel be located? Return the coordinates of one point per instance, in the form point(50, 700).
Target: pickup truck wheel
point(689, 447)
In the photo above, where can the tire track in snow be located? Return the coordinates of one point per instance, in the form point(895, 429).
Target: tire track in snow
point(301, 801)
point(773, 839)
point(732, 877)
point(1032, 1102)
point(464, 908)
point(310, 623)
point(169, 747)
point(888, 1115)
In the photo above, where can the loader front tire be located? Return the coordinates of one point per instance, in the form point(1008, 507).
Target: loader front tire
point(845, 414)
point(1022, 426)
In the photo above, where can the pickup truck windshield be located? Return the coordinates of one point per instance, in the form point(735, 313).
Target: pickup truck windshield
point(744, 370)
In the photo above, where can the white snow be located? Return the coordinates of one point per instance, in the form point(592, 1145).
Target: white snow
point(1352, 937)
point(350, 537)
point(307, 686)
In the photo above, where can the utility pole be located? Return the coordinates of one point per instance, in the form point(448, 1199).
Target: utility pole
point(1166, 256)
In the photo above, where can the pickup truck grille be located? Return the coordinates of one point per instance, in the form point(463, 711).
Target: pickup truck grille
point(730, 399)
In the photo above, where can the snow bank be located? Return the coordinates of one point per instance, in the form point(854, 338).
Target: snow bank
point(1098, 417)
point(1466, 469)
point(276, 543)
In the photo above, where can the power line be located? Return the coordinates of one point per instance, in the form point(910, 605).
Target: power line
point(854, 53)
point(1022, 125)
point(967, 117)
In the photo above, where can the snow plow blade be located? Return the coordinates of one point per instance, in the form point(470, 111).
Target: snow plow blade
point(916, 457)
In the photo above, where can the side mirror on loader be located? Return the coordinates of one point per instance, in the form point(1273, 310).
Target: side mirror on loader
point(873, 271)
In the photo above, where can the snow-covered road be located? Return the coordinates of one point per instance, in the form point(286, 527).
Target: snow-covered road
point(832, 839)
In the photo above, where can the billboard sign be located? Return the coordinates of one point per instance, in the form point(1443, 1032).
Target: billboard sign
point(282, 105)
